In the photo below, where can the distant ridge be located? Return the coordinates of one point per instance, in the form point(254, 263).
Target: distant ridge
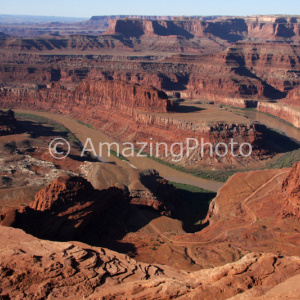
point(15, 19)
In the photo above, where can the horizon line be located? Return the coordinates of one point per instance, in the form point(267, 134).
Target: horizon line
point(150, 15)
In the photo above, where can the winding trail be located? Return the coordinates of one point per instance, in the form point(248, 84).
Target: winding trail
point(225, 232)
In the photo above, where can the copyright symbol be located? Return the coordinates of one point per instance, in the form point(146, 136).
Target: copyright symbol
point(57, 148)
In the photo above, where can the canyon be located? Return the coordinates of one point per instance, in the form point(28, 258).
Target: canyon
point(74, 269)
point(249, 73)
point(113, 227)
point(135, 110)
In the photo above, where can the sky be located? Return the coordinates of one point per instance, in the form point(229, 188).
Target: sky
point(88, 8)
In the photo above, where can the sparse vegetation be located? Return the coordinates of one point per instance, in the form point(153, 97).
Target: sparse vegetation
point(121, 157)
point(57, 127)
point(85, 124)
point(219, 175)
point(285, 160)
point(26, 143)
point(6, 181)
point(10, 147)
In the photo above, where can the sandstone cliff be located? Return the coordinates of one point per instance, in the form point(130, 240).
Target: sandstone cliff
point(285, 112)
point(244, 71)
point(145, 188)
point(230, 29)
point(293, 97)
point(291, 187)
point(102, 94)
point(128, 114)
point(64, 210)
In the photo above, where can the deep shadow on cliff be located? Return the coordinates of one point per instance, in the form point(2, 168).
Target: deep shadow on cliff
point(277, 140)
point(70, 208)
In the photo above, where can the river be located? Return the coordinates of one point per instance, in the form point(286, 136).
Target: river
point(83, 132)
point(275, 123)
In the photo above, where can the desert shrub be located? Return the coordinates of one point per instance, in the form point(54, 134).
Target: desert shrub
point(26, 143)
point(5, 181)
point(10, 147)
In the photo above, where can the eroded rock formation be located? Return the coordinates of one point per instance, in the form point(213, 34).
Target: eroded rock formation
point(32, 268)
point(127, 113)
point(291, 187)
point(246, 70)
point(100, 94)
point(285, 112)
point(63, 210)
point(145, 187)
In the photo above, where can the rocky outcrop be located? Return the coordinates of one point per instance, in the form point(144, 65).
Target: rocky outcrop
point(62, 192)
point(68, 206)
point(63, 210)
point(291, 187)
point(227, 90)
point(251, 274)
point(42, 269)
point(32, 268)
point(285, 112)
point(8, 123)
point(145, 188)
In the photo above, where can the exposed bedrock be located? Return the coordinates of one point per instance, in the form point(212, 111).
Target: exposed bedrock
point(285, 112)
point(291, 188)
point(69, 207)
point(228, 29)
point(64, 210)
point(257, 210)
point(35, 269)
point(293, 97)
point(101, 94)
point(242, 71)
point(126, 113)
point(143, 187)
